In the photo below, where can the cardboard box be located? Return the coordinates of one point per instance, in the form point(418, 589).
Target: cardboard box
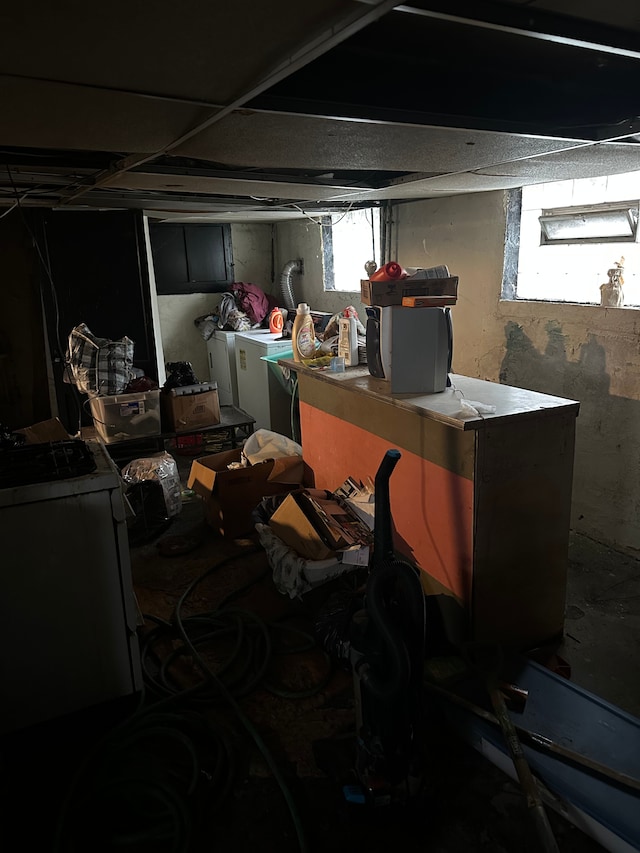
point(384, 293)
point(230, 496)
point(317, 524)
point(183, 413)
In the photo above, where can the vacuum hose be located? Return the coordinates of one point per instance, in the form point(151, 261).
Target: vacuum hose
point(400, 636)
point(394, 603)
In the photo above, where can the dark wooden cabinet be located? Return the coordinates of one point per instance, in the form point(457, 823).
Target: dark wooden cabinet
point(191, 258)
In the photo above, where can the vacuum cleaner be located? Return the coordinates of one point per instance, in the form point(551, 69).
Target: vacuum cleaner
point(387, 648)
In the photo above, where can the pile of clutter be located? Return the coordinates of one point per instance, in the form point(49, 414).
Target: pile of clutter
point(310, 535)
point(244, 307)
point(343, 336)
point(124, 401)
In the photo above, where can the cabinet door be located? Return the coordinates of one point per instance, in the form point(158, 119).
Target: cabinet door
point(191, 258)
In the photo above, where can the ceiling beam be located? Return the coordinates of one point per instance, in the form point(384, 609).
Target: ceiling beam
point(543, 27)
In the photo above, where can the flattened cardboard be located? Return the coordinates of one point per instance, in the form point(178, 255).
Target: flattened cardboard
point(231, 495)
point(317, 524)
point(44, 431)
point(291, 525)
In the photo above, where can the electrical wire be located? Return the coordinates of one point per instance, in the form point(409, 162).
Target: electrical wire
point(20, 199)
point(45, 265)
point(319, 222)
point(7, 212)
point(54, 292)
point(346, 213)
point(304, 213)
point(373, 236)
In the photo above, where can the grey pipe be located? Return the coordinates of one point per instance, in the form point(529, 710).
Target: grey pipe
point(286, 284)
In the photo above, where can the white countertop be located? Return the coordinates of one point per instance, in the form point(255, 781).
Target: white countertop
point(509, 402)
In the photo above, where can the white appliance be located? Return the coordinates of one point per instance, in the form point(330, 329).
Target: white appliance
point(260, 393)
point(67, 611)
point(221, 353)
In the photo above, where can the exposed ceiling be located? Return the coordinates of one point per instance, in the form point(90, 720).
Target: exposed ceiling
point(259, 111)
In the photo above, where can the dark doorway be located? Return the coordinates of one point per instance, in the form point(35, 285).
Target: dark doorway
point(100, 277)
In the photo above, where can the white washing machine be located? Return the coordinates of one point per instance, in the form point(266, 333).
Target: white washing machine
point(221, 353)
point(260, 393)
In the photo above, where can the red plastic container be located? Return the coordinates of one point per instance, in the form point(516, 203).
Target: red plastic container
point(389, 272)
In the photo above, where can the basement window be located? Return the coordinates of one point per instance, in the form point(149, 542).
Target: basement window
point(349, 240)
point(598, 223)
point(564, 238)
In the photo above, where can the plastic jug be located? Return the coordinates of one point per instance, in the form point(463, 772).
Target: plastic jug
point(389, 272)
point(276, 322)
point(303, 337)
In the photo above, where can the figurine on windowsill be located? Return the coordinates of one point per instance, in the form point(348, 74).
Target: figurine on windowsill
point(611, 295)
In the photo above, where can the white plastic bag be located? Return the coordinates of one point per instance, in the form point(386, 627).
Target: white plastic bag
point(264, 444)
point(162, 468)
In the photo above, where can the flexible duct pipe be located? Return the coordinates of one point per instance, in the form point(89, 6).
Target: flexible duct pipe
point(286, 284)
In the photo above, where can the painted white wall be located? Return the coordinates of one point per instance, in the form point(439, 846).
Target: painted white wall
point(303, 239)
point(181, 340)
point(252, 257)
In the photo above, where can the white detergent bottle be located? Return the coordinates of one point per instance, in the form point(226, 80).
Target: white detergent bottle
point(348, 341)
point(303, 336)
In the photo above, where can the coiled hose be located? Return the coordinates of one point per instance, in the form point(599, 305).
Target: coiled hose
point(149, 780)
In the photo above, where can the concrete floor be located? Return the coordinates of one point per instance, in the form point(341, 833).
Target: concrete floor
point(602, 627)
point(467, 804)
point(471, 805)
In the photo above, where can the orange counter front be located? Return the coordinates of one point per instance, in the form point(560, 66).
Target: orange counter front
point(480, 504)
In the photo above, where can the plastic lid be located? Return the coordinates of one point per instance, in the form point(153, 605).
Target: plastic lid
point(303, 308)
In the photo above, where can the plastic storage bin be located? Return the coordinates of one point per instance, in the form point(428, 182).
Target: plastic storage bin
point(125, 416)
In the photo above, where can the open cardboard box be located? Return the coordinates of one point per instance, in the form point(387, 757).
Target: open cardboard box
point(317, 524)
point(434, 291)
point(230, 496)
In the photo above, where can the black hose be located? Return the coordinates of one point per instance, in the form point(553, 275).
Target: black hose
point(211, 677)
point(392, 585)
point(386, 672)
point(141, 780)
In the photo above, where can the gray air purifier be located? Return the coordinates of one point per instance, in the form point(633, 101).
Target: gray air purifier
point(412, 348)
